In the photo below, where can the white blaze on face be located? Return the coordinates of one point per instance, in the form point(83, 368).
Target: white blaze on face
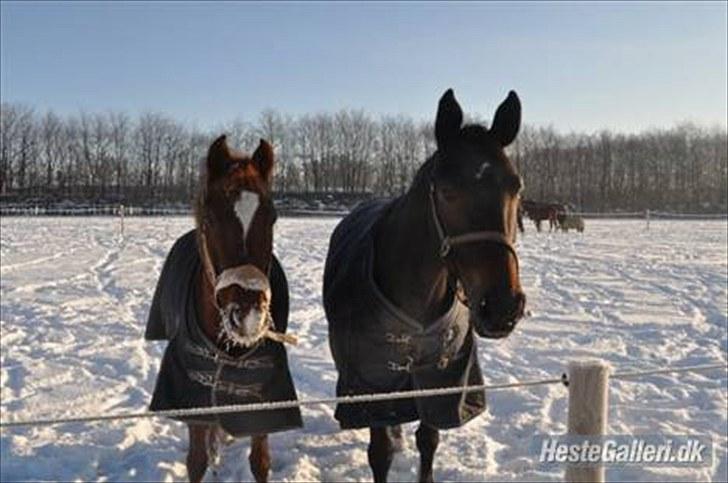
point(245, 208)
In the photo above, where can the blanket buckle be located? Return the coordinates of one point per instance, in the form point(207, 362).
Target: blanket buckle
point(396, 367)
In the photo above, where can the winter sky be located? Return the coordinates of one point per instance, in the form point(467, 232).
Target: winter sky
point(576, 66)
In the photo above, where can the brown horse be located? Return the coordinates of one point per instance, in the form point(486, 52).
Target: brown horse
point(222, 302)
point(539, 212)
point(393, 272)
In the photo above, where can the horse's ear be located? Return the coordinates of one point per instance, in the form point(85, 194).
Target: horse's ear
point(507, 120)
point(449, 119)
point(263, 160)
point(218, 158)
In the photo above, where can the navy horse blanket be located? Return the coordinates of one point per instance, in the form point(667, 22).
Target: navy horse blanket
point(196, 373)
point(378, 348)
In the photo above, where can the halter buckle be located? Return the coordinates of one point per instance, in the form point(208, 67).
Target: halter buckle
point(445, 247)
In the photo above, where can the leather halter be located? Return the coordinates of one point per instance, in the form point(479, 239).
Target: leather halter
point(248, 277)
point(448, 242)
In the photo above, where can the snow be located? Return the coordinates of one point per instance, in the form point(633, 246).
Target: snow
point(75, 297)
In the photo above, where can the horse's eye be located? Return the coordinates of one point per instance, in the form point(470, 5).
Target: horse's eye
point(231, 191)
point(486, 178)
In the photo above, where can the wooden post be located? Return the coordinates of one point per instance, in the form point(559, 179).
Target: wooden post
point(647, 218)
point(121, 219)
point(588, 402)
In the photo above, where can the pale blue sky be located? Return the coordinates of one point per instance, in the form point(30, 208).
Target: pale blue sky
point(577, 66)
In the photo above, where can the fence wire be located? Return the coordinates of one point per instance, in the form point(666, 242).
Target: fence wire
point(362, 398)
point(118, 210)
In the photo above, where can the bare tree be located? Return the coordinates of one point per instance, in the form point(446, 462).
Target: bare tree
point(9, 115)
point(153, 158)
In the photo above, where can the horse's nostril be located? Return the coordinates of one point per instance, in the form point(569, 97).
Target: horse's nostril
point(483, 307)
point(236, 316)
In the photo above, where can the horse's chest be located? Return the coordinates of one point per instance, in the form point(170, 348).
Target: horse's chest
point(390, 347)
point(193, 374)
point(242, 379)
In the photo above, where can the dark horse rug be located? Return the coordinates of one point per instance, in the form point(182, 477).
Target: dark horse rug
point(378, 348)
point(195, 373)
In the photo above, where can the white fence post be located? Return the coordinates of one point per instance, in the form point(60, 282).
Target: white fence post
point(121, 219)
point(588, 402)
point(647, 218)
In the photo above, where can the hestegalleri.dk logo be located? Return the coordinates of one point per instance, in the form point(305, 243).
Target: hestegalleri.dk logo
point(617, 450)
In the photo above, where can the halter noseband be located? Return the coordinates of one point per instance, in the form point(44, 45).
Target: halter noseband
point(448, 242)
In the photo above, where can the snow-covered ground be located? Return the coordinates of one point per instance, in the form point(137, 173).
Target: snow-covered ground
point(75, 298)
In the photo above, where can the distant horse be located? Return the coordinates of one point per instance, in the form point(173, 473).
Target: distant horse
point(399, 273)
point(570, 222)
point(539, 212)
point(222, 302)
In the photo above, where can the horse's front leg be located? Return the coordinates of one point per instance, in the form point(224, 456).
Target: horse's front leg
point(197, 451)
point(259, 457)
point(380, 452)
point(427, 440)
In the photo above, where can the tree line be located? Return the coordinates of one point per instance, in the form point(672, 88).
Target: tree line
point(153, 159)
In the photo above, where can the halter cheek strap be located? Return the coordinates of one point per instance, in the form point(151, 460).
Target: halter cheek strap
point(448, 242)
point(245, 276)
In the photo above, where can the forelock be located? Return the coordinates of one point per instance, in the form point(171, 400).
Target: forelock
point(476, 134)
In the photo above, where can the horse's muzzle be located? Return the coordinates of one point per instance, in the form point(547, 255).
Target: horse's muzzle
point(497, 313)
point(243, 325)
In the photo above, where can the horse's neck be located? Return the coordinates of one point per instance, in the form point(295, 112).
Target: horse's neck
point(407, 266)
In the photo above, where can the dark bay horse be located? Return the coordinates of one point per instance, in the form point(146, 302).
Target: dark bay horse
point(407, 281)
point(222, 302)
point(538, 212)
